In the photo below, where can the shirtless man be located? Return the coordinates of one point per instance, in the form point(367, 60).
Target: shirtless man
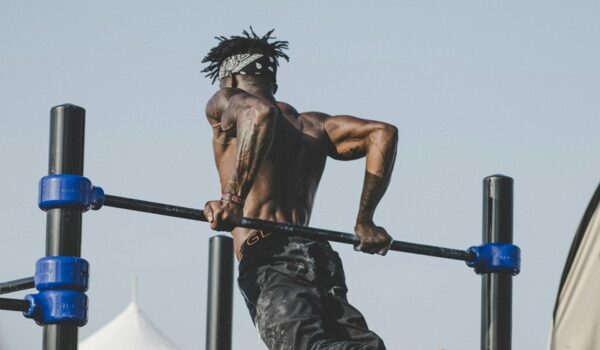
point(270, 159)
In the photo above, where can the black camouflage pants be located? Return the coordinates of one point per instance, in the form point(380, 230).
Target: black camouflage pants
point(295, 291)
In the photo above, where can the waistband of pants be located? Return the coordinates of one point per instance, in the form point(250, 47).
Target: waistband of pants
point(253, 240)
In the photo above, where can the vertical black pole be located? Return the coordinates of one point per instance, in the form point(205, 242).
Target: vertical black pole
point(63, 226)
point(496, 288)
point(220, 294)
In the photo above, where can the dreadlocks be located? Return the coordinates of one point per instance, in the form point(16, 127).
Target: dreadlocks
point(235, 53)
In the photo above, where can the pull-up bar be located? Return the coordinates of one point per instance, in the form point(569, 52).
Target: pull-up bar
point(16, 285)
point(308, 232)
point(59, 191)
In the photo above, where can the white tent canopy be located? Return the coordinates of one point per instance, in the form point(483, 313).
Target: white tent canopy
point(130, 330)
point(576, 323)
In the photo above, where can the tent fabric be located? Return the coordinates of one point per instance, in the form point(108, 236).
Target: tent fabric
point(130, 330)
point(576, 323)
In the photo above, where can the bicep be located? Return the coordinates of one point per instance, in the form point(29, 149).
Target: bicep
point(348, 136)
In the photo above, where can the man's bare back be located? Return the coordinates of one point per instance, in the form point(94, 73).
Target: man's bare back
point(285, 185)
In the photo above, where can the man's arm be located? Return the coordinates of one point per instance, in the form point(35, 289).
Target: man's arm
point(234, 113)
point(354, 138)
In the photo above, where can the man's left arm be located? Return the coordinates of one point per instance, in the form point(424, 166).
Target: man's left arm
point(353, 138)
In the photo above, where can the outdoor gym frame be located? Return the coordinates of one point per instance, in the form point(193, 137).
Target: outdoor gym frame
point(62, 276)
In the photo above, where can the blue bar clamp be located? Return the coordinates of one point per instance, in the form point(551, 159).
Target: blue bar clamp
point(495, 258)
point(61, 282)
point(69, 191)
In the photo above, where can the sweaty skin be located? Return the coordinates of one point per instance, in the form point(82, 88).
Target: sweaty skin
point(273, 156)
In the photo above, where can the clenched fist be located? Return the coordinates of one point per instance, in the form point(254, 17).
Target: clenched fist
point(373, 239)
point(223, 215)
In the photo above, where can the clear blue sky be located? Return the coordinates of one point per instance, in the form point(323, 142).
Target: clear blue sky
point(475, 88)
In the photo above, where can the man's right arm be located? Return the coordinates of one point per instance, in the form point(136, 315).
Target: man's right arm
point(353, 138)
point(234, 113)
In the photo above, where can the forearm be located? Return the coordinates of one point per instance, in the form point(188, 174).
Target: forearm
point(380, 158)
point(254, 138)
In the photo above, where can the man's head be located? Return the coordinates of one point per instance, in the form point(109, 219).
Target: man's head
point(247, 58)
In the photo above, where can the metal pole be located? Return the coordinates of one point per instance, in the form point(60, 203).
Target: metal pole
point(220, 294)
point(496, 288)
point(17, 285)
point(304, 231)
point(14, 304)
point(63, 225)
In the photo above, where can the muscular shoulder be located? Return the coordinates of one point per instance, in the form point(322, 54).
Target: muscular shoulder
point(312, 120)
point(315, 119)
point(219, 102)
point(287, 109)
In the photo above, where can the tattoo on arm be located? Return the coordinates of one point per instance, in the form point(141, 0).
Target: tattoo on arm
point(381, 155)
point(255, 129)
point(373, 189)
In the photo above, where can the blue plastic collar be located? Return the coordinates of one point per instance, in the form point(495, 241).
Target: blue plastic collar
point(496, 257)
point(61, 272)
point(62, 282)
point(69, 191)
point(58, 306)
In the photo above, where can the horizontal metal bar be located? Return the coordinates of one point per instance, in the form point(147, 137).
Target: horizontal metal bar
point(154, 208)
point(14, 304)
point(304, 231)
point(17, 285)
